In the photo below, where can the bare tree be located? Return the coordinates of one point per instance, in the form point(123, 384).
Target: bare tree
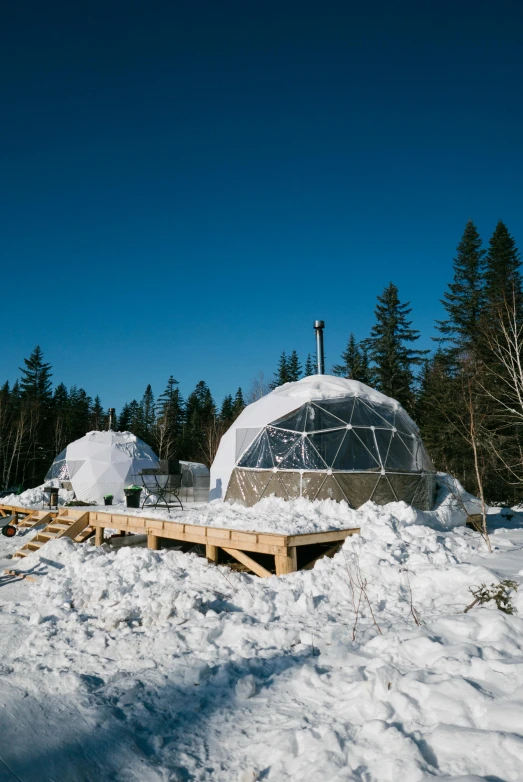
point(469, 419)
point(259, 387)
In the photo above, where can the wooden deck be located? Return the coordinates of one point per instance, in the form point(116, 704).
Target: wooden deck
point(235, 543)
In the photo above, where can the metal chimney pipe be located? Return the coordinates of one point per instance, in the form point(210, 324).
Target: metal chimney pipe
point(111, 416)
point(319, 325)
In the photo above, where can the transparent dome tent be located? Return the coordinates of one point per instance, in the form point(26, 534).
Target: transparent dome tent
point(324, 437)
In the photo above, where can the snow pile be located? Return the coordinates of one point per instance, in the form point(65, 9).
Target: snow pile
point(36, 498)
point(316, 387)
point(159, 666)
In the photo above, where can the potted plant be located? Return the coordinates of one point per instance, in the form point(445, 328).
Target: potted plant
point(132, 496)
point(108, 499)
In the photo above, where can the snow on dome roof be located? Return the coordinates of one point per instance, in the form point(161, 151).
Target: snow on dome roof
point(316, 387)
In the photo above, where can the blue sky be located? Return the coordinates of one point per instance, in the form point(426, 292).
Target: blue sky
point(188, 185)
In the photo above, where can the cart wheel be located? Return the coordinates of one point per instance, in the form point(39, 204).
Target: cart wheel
point(8, 531)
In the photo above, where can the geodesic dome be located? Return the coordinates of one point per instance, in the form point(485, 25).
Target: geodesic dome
point(324, 437)
point(102, 463)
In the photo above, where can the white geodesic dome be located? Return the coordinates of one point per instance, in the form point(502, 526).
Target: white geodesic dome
point(324, 437)
point(102, 463)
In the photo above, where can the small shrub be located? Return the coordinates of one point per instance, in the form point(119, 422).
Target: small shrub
point(77, 504)
point(500, 593)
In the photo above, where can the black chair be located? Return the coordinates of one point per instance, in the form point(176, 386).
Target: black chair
point(163, 484)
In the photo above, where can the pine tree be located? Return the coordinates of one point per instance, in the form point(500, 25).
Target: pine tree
point(309, 367)
point(227, 410)
point(355, 362)
point(148, 415)
point(239, 403)
point(97, 415)
point(170, 418)
point(36, 377)
point(200, 415)
point(124, 419)
point(293, 367)
point(282, 374)
point(503, 273)
point(465, 297)
point(393, 361)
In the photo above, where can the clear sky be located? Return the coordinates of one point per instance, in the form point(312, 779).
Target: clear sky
point(186, 186)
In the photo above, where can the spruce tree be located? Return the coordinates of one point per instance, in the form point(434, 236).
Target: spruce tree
point(282, 374)
point(239, 403)
point(503, 274)
point(148, 414)
point(97, 415)
point(227, 411)
point(465, 297)
point(170, 422)
point(293, 367)
point(309, 367)
point(355, 362)
point(393, 361)
point(35, 382)
point(124, 419)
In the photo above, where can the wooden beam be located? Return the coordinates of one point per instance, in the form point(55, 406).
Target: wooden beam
point(153, 542)
point(321, 537)
point(286, 563)
point(256, 568)
point(211, 552)
point(99, 536)
point(329, 553)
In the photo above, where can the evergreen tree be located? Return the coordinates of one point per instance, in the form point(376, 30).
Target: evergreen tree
point(135, 414)
point(227, 410)
point(293, 367)
point(388, 348)
point(355, 362)
point(200, 415)
point(124, 419)
point(239, 403)
point(36, 377)
point(465, 297)
point(170, 422)
point(282, 374)
point(503, 273)
point(97, 415)
point(309, 367)
point(148, 415)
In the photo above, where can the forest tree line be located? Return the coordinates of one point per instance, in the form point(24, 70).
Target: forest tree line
point(466, 395)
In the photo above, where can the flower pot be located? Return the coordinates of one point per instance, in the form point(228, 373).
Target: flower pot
point(132, 497)
point(108, 500)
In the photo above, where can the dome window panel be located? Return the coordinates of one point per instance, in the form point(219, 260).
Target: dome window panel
point(319, 418)
point(364, 415)
point(281, 441)
point(357, 452)
point(296, 422)
point(340, 409)
point(303, 457)
point(328, 444)
point(259, 454)
point(402, 454)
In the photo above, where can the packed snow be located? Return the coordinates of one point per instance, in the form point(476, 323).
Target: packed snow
point(134, 665)
point(316, 387)
point(275, 515)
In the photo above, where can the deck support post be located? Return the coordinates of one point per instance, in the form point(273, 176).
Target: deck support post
point(286, 563)
point(211, 552)
point(153, 542)
point(99, 536)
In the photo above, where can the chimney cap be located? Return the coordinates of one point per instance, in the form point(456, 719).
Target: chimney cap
point(319, 324)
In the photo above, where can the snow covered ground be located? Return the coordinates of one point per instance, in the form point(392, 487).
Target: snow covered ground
point(139, 666)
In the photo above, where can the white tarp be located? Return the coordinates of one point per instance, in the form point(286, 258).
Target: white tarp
point(102, 463)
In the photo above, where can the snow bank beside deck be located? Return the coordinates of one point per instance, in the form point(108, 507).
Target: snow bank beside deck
point(159, 666)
